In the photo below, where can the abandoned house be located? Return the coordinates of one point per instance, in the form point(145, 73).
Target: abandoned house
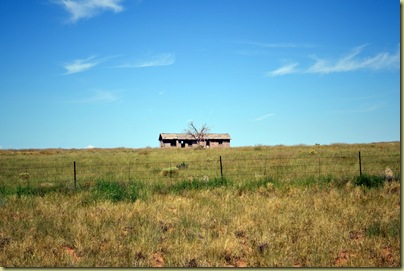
point(187, 141)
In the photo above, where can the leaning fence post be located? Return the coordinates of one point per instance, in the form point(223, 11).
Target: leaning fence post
point(360, 164)
point(221, 167)
point(74, 167)
point(129, 171)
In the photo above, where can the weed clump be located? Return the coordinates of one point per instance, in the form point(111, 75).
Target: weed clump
point(110, 190)
point(115, 191)
point(183, 165)
point(170, 171)
point(254, 185)
point(377, 228)
point(41, 190)
point(369, 181)
point(199, 184)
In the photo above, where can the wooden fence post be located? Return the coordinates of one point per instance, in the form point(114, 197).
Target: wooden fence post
point(74, 166)
point(360, 164)
point(129, 171)
point(221, 167)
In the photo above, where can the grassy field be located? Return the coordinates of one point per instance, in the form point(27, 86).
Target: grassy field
point(278, 206)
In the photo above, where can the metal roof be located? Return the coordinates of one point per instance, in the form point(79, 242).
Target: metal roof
point(183, 136)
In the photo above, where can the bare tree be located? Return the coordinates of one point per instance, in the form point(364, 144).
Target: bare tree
point(198, 134)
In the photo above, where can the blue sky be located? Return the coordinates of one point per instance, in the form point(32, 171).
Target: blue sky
point(116, 73)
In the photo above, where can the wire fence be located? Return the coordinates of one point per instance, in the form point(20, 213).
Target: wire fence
point(78, 173)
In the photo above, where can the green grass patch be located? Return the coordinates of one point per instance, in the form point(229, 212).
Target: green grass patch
point(117, 191)
point(41, 190)
point(391, 229)
point(199, 184)
point(369, 181)
point(253, 185)
point(170, 172)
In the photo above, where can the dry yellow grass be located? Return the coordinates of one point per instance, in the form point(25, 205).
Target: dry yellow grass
point(286, 223)
point(310, 227)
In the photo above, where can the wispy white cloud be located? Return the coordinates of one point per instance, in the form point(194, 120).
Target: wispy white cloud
point(273, 45)
point(371, 107)
point(277, 44)
point(154, 61)
point(351, 62)
point(347, 63)
point(90, 147)
point(286, 69)
point(80, 65)
point(85, 9)
point(266, 48)
point(101, 97)
point(263, 117)
point(364, 108)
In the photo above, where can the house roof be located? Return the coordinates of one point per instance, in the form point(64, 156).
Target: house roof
point(183, 136)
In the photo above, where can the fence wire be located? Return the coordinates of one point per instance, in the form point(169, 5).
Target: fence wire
point(235, 169)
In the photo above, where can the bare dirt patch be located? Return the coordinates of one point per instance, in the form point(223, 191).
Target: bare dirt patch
point(72, 253)
point(157, 260)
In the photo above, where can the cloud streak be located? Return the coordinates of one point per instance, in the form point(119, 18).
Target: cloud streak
point(371, 107)
point(85, 9)
point(154, 61)
point(101, 97)
point(364, 108)
point(80, 65)
point(347, 63)
point(289, 68)
point(272, 45)
point(263, 117)
point(284, 45)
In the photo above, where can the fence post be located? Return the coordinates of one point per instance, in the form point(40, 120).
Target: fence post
point(74, 166)
point(360, 164)
point(221, 167)
point(129, 171)
point(319, 167)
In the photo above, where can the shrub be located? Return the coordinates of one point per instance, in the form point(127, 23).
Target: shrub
point(264, 184)
point(115, 191)
point(40, 190)
point(199, 184)
point(23, 190)
point(170, 171)
point(183, 165)
point(110, 190)
point(258, 147)
point(391, 229)
point(135, 191)
point(369, 181)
